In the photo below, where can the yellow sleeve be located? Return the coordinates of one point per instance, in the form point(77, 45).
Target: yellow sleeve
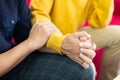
point(55, 42)
point(100, 13)
point(40, 10)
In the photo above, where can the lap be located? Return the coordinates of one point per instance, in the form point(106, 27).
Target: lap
point(42, 66)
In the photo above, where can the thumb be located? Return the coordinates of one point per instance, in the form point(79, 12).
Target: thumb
point(83, 34)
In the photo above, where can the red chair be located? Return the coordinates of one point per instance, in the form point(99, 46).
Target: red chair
point(28, 2)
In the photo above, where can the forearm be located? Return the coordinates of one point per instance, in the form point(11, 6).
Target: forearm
point(55, 39)
point(55, 42)
point(11, 58)
point(38, 37)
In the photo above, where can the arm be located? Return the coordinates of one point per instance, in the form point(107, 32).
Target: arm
point(100, 12)
point(11, 58)
point(41, 12)
point(37, 38)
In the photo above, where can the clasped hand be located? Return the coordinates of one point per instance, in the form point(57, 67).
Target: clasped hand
point(40, 33)
point(79, 47)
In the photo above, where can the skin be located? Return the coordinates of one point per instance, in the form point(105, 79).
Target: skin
point(77, 46)
point(37, 38)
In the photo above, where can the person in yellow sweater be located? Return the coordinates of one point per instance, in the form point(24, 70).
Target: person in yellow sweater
point(68, 16)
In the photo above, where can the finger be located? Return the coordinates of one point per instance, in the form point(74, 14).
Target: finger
point(88, 52)
point(83, 34)
point(83, 38)
point(76, 59)
point(81, 62)
point(86, 45)
point(73, 56)
point(86, 34)
point(93, 46)
point(85, 58)
point(86, 66)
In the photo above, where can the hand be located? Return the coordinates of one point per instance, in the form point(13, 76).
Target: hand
point(71, 48)
point(40, 33)
point(87, 53)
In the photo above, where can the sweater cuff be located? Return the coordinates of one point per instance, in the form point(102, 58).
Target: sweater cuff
point(55, 42)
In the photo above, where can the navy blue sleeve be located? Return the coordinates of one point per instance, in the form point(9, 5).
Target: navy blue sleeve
point(23, 25)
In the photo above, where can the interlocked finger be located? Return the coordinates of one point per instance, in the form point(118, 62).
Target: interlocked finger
point(88, 53)
point(93, 46)
point(85, 58)
point(81, 62)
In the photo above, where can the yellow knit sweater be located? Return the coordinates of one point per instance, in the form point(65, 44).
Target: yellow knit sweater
point(68, 15)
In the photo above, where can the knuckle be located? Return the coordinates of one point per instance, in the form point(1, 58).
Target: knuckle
point(94, 54)
point(95, 46)
point(89, 61)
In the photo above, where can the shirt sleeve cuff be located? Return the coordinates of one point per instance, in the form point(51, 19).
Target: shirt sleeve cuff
point(55, 42)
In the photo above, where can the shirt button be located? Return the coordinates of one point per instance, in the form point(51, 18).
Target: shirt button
point(12, 22)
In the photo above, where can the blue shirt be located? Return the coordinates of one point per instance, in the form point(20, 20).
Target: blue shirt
point(14, 22)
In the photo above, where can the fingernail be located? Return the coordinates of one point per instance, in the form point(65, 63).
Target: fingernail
point(81, 45)
point(81, 49)
point(90, 61)
point(86, 65)
point(81, 55)
point(88, 44)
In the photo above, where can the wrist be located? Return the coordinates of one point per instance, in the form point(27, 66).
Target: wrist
point(30, 45)
point(55, 42)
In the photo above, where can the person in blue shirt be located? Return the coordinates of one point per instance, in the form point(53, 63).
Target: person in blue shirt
point(15, 23)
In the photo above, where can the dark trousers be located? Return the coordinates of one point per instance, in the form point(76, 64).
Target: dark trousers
point(47, 66)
